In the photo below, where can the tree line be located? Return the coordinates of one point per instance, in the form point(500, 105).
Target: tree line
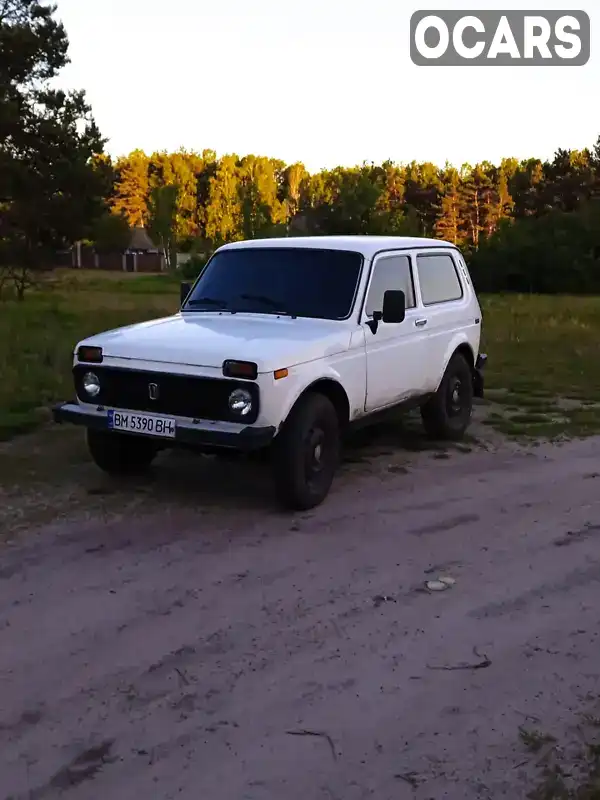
point(231, 198)
point(526, 225)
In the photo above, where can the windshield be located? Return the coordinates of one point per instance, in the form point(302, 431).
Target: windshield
point(299, 281)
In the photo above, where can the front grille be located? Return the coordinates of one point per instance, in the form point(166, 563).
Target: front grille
point(180, 395)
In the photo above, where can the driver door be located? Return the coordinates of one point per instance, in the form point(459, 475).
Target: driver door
point(396, 352)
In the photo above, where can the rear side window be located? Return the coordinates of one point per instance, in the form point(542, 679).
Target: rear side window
point(390, 272)
point(438, 279)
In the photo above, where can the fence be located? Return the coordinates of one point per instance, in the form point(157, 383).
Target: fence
point(83, 257)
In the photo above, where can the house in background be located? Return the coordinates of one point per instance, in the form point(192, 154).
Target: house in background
point(140, 255)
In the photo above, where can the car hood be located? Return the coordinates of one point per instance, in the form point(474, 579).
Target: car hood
point(207, 339)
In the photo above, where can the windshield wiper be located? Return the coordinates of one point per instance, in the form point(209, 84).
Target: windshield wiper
point(207, 301)
point(267, 301)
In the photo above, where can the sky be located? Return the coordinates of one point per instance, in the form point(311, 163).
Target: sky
point(325, 82)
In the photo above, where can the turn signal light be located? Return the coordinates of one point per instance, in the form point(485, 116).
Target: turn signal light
point(240, 369)
point(91, 355)
point(280, 373)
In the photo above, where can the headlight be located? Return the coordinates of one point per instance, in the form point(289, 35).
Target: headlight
point(91, 384)
point(240, 402)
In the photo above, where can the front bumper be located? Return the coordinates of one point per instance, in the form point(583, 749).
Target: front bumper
point(201, 433)
point(478, 379)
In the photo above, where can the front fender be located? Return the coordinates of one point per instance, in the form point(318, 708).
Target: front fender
point(300, 388)
point(348, 370)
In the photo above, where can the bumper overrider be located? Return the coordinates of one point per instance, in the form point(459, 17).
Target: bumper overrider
point(478, 378)
point(199, 433)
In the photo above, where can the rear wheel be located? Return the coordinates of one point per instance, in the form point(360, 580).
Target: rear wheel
point(306, 453)
point(120, 454)
point(447, 414)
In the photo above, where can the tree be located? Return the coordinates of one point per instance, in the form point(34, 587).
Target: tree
point(197, 201)
point(179, 169)
point(223, 209)
point(568, 180)
point(447, 225)
point(163, 219)
point(132, 189)
point(422, 189)
point(294, 180)
point(263, 213)
point(479, 203)
point(526, 188)
point(554, 253)
point(53, 184)
point(111, 233)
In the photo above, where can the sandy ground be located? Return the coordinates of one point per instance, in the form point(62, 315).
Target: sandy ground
point(167, 650)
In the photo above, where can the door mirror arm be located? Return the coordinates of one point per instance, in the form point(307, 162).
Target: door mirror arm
point(374, 322)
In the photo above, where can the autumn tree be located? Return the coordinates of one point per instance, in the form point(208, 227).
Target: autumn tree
point(263, 212)
point(203, 186)
point(132, 189)
point(223, 220)
point(295, 179)
point(212, 200)
point(180, 169)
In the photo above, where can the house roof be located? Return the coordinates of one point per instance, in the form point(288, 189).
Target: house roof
point(141, 241)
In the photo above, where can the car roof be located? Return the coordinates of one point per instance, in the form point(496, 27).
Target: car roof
point(367, 245)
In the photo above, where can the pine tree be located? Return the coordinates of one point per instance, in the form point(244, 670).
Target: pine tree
point(447, 225)
point(478, 201)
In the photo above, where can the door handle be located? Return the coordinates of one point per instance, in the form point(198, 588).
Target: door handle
point(419, 323)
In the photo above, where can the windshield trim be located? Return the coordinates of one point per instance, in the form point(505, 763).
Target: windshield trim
point(186, 308)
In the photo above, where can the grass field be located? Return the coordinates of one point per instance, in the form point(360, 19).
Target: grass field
point(543, 372)
point(37, 336)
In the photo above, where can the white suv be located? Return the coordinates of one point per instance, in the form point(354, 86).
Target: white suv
point(280, 346)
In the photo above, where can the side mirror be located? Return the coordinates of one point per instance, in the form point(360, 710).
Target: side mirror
point(184, 290)
point(394, 306)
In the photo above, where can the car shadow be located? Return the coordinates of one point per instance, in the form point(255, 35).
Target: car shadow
point(239, 481)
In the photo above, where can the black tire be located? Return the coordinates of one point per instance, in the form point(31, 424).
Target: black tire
point(447, 414)
point(306, 453)
point(120, 454)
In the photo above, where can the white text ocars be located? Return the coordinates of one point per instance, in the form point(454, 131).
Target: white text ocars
point(280, 346)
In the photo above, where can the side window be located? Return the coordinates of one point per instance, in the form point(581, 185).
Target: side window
point(390, 272)
point(438, 279)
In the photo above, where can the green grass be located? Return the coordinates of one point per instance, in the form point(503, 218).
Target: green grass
point(37, 336)
point(541, 349)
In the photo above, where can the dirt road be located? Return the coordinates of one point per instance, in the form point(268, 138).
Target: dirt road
point(166, 652)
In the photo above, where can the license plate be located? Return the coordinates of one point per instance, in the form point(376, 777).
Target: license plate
point(147, 424)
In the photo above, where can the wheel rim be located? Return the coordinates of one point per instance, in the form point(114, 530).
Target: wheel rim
point(315, 457)
point(457, 397)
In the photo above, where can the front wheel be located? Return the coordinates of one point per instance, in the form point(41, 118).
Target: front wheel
point(447, 414)
point(306, 453)
point(120, 454)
